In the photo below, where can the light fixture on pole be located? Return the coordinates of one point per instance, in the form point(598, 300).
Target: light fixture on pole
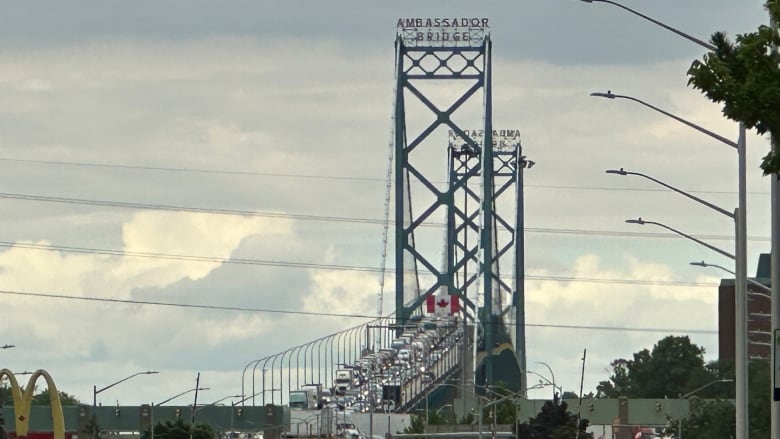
point(197, 389)
point(650, 19)
point(740, 320)
point(7, 346)
point(95, 392)
point(718, 209)
point(153, 405)
point(642, 222)
point(764, 291)
point(740, 263)
point(551, 382)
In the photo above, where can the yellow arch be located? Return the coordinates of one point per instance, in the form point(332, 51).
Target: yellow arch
point(23, 402)
point(16, 394)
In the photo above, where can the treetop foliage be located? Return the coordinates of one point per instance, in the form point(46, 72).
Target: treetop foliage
point(745, 77)
point(674, 367)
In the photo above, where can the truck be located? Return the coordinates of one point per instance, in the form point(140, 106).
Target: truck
point(308, 397)
point(344, 380)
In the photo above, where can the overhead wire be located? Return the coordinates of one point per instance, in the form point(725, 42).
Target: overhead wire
point(320, 177)
point(289, 264)
point(327, 314)
point(328, 218)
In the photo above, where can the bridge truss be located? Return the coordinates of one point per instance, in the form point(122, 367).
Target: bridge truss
point(442, 92)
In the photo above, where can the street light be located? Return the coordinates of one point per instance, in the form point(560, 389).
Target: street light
point(740, 319)
point(693, 392)
point(719, 209)
point(642, 222)
point(197, 389)
point(698, 389)
point(153, 405)
point(663, 25)
point(95, 390)
point(552, 383)
point(221, 399)
point(7, 346)
point(765, 291)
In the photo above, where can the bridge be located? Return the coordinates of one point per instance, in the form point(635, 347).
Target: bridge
point(459, 268)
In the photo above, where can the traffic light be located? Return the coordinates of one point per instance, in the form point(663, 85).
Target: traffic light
point(178, 413)
point(116, 412)
point(239, 411)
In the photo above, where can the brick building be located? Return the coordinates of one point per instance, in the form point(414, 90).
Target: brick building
point(759, 315)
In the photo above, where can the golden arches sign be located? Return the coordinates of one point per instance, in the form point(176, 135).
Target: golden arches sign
point(23, 402)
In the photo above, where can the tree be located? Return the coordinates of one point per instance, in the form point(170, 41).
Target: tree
point(416, 425)
point(179, 430)
point(745, 77)
point(554, 422)
point(43, 398)
point(673, 367)
point(716, 417)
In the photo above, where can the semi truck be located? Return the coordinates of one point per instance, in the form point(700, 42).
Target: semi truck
point(308, 397)
point(344, 380)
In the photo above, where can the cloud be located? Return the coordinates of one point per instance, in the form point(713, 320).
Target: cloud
point(303, 129)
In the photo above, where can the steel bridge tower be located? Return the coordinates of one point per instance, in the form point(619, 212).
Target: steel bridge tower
point(465, 179)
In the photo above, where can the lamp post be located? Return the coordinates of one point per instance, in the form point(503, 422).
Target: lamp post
point(548, 381)
point(740, 320)
point(153, 405)
point(7, 346)
point(642, 222)
point(693, 392)
point(95, 392)
point(197, 389)
point(652, 20)
point(764, 291)
point(220, 400)
point(719, 209)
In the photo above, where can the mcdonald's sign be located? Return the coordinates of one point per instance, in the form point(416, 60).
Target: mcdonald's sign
point(23, 401)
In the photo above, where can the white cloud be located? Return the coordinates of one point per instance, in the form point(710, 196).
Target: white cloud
point(307, 107)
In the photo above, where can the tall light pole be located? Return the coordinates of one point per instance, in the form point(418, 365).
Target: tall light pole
point(642, 222)
point(95, 392)
point(740, 320)
point(153, 405)
point(196, 389)
point(552, 375)
point(740, 259)
point(714, 207)
point(652, 20)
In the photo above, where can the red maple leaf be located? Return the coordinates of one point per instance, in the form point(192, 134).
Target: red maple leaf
point(442, 303)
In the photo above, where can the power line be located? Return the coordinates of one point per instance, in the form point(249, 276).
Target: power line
point(323, 314)
point(289, 264)
point(327, 218)
point(321, 177)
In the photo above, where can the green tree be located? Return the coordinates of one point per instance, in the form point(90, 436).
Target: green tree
point(554, 422)
point(745, 77)
point(716, 417)
point(416, 425)
point(43, 398)
point(179, 430)
point(673, 367)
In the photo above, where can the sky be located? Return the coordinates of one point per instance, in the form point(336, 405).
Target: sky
point(240, 130)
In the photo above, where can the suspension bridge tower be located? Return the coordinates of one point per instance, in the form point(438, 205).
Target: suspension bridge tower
point(458, 191)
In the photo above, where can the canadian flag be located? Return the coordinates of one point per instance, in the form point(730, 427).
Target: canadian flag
point(443, 304)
